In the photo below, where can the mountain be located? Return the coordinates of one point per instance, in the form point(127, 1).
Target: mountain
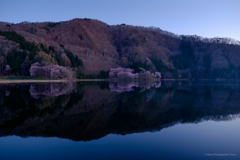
point(100, 47)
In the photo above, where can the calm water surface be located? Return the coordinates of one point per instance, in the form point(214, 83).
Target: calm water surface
point(167, 120)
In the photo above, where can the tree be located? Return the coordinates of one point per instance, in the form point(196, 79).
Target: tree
point(34, 69)
point(66, 60)
point(25, 45)
point(1, 64)
point(51, 71)
point(25, 66)
point(8, 69)
point(78, 61)
point(75, 61)
point(44, 58)
point(8, 26)
point(59, 72)
point(80, 36)
point(15, 59)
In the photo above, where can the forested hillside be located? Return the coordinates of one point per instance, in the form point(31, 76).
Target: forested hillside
point(87, 48)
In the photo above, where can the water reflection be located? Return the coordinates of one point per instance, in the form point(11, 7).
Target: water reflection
point(129, 86)
point(50, 89)
point(86, 111)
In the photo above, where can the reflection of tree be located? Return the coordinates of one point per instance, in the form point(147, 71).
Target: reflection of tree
point(90, 112)
point(129, 86)
point(51, 89)
point(19, 106)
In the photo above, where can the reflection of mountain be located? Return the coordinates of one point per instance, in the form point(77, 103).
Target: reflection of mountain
point(89, 112)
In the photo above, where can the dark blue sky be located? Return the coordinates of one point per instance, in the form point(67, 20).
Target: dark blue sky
point(207, 18)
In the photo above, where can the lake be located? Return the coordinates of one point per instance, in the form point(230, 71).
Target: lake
point(105, 120)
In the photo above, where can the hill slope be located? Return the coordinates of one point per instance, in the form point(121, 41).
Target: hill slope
point(101, 47)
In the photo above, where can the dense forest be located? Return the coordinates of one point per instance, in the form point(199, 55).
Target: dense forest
point(19, 62)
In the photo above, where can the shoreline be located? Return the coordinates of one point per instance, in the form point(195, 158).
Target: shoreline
point(29, 81)
point(7, 81)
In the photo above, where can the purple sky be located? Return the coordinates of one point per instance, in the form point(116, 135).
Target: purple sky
point(207, 18)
